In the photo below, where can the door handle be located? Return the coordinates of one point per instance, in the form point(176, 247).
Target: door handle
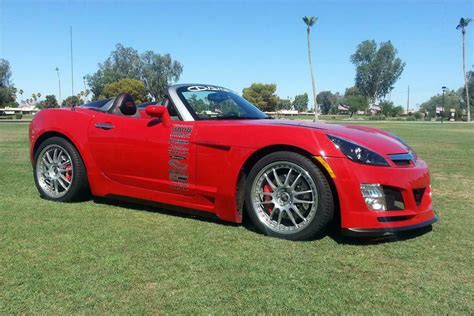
point(105, 126)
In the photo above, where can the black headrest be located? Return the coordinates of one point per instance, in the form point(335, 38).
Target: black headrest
point(126, 104)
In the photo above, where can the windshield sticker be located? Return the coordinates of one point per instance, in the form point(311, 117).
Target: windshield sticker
point(178, 153)
point(206, 88)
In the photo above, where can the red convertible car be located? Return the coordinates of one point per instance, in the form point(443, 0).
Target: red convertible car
point(206, 148)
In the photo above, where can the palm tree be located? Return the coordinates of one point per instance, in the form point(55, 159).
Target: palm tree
point(34, 96)
point(310, 21)
point(463, 23)
point(38, 95)
point(21, 93)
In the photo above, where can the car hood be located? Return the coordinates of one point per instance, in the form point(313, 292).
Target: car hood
point(372, 138)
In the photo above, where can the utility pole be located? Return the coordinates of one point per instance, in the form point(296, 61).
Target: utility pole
point(408, 100)
point(72, 64)
point(59, 82)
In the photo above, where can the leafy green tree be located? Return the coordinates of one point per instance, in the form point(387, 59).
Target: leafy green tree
point(49, 101)
point(300, 103)
point(283, 104)
point(377, 68)
point(198, 104)
point(134, 87)
point(262, 95)
point(355, 103)
point(326, 100)
point(310, 21)
point(156, 71)
point(72, 100)
point(463, 23)
point(352, 91)
point(7, 89)
point(386, 108)
point(451, 101)
point(397, 111)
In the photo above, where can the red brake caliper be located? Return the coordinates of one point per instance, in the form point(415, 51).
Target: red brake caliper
point(268, 207)
point(68, 172)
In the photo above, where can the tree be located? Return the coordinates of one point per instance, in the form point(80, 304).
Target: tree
point(310, 21)
point(451, 101)
point(463, 23)
point(134, 87)
point(262, 95)
point(300, 103)
point(355, 103)
point(386, 108)
point(7, 89)
point(72, 101)
point(34, 97)
point(38, 95)
point(21, 93)
point(283, 104)
point(377, 69)
point(326, 99)
point(49, 101)
point(156, 71)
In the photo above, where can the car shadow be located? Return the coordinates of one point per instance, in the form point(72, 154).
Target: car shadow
point(333, 232)
point(170, 210)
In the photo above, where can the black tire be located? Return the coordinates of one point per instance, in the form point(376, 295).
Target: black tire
point(324, 212)
point(79, 186)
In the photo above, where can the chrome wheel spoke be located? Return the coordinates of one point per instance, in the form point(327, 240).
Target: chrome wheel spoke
point(280, 215)
point(266, 202)
point(302, 201)
point(56, 189)
point(302, 192)
point(273, 186)
point(296, 181)
point(62, 183)
point(292, 218)
point(277, 179)
point(297, 211)
point(64, 179)
point(48, 156)
point(287, 179)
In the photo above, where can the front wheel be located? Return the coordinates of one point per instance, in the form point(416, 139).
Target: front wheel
point(287, 196)
point(59, 172)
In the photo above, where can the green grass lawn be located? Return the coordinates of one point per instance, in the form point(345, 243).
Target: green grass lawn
point(94, 257)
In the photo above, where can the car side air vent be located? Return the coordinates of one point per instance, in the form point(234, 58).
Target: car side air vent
point(403, 159)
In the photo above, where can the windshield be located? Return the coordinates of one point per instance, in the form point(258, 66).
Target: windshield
point(210, 102)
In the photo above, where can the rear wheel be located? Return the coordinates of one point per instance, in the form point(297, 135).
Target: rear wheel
point(287, 196)
point(59, 172)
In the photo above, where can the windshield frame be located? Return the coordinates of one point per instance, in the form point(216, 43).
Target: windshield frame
point(234, 96)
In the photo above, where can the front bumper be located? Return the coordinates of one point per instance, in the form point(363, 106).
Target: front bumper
point(386, 231)
point(357, 219)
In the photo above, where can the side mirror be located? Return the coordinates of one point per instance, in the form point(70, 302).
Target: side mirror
point(159, 112)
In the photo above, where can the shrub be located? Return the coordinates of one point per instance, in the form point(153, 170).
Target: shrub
point(18, 116)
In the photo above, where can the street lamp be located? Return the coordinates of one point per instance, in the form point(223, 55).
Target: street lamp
point(442, 109)
point(59, 82)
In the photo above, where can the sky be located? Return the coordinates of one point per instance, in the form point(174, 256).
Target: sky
point(235, 43)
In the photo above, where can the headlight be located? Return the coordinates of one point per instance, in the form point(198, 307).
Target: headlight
point(358, 153)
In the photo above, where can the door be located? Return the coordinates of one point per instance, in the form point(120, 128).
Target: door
point(143, 153)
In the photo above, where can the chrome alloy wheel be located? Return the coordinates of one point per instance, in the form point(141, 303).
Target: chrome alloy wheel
point(285, 197)
point(54, 171)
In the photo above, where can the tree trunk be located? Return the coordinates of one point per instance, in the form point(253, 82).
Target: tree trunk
point(465, 78)
point(312, 78)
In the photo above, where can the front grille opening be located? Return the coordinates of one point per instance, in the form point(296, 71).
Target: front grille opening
point(418, 194)
point(393, 199)
point(393, 219)
point(402, 162)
